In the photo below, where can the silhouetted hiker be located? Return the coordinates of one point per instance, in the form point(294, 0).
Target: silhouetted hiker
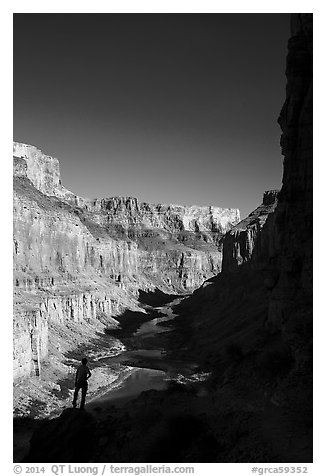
point(82, 375)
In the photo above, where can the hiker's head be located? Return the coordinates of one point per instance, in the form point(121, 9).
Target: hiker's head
point(84, 361)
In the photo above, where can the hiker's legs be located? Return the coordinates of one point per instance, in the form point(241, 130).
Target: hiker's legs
point(83, 396)
point(74, 402)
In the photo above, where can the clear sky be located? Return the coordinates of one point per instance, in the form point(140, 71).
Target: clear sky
point(170, 108)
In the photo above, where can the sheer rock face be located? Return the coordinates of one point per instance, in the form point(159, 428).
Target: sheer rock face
point(257, 314)
point(43, 171)
point(77, 258)
point(51, 240)
point(246, 236)
point(290, 308)
point(129, 212)
point(119, 237)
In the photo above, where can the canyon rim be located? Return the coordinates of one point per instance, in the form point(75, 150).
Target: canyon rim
point(197, 322)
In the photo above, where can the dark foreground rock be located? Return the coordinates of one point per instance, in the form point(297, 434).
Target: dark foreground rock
point(69, 438)
point(253, 322)
point(182, 424)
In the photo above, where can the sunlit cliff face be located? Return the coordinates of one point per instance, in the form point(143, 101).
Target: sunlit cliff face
point(75, 257)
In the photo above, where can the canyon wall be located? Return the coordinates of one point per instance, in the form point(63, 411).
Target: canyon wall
point(245, 237)
point(128, 212)
point(256, 316)
point(77, 259)
point(131, 236)
point(290, 306)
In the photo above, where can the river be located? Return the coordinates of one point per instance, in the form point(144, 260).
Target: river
point(147, 361)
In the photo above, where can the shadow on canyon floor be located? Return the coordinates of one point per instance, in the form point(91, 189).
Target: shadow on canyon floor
point(180, 424)
point(226, 417)
point(156, 298)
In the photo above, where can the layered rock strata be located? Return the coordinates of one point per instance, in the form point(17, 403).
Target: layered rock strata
point(77, 259)
point(128, 212)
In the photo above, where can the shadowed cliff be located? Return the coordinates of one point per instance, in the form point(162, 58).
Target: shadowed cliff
point(253, 322)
